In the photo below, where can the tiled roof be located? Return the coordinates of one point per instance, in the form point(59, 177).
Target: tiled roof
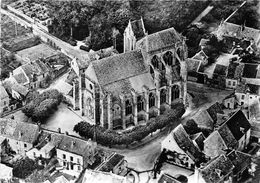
point(3, 93)
point(254, 89)
point(250, 70)
point(241, 88)
point(78, 146)
point(25, 132)
point(214, 145)
point(193, 64)
point(185, 143)
point(167, 179)
point(227, 136)
point(234, 70)
point(21, 78)
point(217, 169)
point(220, 70)
point(204, 120)
point(231, 29)
point(37, 67)
point(118, 67)
point(240, 161)
point(101, 177)
point(238, 124)
point(213, 110)
point(160, 40)
point(137, 27)
point(9, 85)
point(111, 163)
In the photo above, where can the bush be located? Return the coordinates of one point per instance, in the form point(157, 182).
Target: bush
point(110, 137)
point(40, 106)
point(24, 168)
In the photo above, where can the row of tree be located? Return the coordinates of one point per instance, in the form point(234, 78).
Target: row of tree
point(40, 106)
point(111, 137)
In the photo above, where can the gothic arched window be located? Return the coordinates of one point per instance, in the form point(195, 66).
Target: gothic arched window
point(168, 58)
point(128, 107)
point(163, 96)
point(151, 100)
point(151, 71)
point(140, 103)
point(155, 61)
point(90, 109)
point(175, 92)
point(116, 111)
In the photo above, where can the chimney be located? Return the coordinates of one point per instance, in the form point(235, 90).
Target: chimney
point(67, 133)
point(73, 143)
point(59, 130)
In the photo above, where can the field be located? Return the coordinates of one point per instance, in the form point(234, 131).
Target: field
point(8, 29)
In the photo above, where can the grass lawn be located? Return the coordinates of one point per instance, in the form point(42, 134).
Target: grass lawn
point(8, 29)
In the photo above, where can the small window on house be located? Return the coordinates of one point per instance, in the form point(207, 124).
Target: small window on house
point(242, 103)
point(71, 166)
point(64, 156)
point(78, 168)
point(251, 97)
point(25, 145)
point(229, 82)
point(243, 97)
point(71, 158)
point(90, 86)
point(234, 83)
point(64, 163)
point(78, 161)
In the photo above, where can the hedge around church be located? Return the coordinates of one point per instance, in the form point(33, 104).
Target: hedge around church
point(107, 137)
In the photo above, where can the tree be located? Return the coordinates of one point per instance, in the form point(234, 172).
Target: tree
point(24, 167)
point(191, 127)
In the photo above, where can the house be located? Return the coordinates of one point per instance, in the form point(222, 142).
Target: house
point(247, 94)
point(126, 89)
point(75, 154)
point(5, 100)
point(251, 71)
point(204, 120)
point(230, 101)
point(20, 136)
point(17, 91)
point(234, 74)
point(215, 109)
point(219, 76)
point(227, 29)
point(217, 170)
point(133, 32)
point(201, 56)
point(241, 162)
point(192, 68)
point(115, 164)
point(32, 75)
point(101, 177)
point(198, 140)
point(233, 134)
point(185, 152)
point(6, 173)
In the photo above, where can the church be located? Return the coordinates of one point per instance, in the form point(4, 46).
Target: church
point(129, 88)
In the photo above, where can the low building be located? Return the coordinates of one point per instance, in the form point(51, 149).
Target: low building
point(101, 177)
point(75, 154)
point(115, 164)
point(217, 170)
point(233, 134)
point(234, 74)
point(230, 101)
point(4, 99)
point(185, 153)
point(20, 136)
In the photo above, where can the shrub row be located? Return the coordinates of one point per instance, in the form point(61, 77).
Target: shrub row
point(40, 106)
point(110, 137)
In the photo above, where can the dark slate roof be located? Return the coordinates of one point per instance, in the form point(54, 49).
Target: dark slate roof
point(118, 67)
point(220, 70)
point(217, 169)
point(21, 131)
point(240, 160)
point(227, 136)
point(185, 143)
point(163, 39)
point(111, 163)
point(137, 27)
point(250, 71)
point(165, 178)
point(213, 110)
point(199, 139)
point(254, 89)
point(238, 124)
